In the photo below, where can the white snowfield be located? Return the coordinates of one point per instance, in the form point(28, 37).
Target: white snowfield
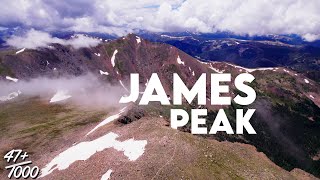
point(20, 51)
point(12, 79)
point(97, 54)
point(10, 96)
point(131, 148)
point(107, 175)
point(311, 96)
point(179, 60)
point(106, 121)
point(306, 81)
point(61, 95)
point(113, 58)
point(138, 39)
point(104, 72)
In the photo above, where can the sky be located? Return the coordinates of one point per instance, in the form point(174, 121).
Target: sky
point(243, 17)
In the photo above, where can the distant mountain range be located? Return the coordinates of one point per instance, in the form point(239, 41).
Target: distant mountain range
point(289, 51)
point(259, 51)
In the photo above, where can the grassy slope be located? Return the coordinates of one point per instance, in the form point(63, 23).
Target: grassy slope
point(285, 119)
point(36, 126)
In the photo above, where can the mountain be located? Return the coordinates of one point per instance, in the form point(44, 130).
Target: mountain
point(287, 118)
point(252, 52)
point(289, 51)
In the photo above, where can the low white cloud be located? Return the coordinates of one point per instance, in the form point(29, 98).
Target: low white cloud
point(311, 37)
point(86, 90)
point(34, 39)
point(82, 41)
point(120, 17)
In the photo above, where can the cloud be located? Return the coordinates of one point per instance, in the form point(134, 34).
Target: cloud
point(34, 39)
point(311, 37)
point(86, 90)
point(120, 17)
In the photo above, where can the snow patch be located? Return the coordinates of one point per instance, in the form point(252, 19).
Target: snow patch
point(193, 73)
point(123, 86)
point(107, 175)
point(10, 96)
point(286, 71)
point(146, 84)
point(113, 58)
point(97, 54)
point(306, 81)
point(258, 69)
point(131, 148)
point(104, 72)
point(20, 51)
point(202, 62)
point(138, 39)
point(12, 79)
point(250, 69)
point(215, 69)
point(60, 96)
point(106, 121)
point(179, 60)
point(311, 96)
